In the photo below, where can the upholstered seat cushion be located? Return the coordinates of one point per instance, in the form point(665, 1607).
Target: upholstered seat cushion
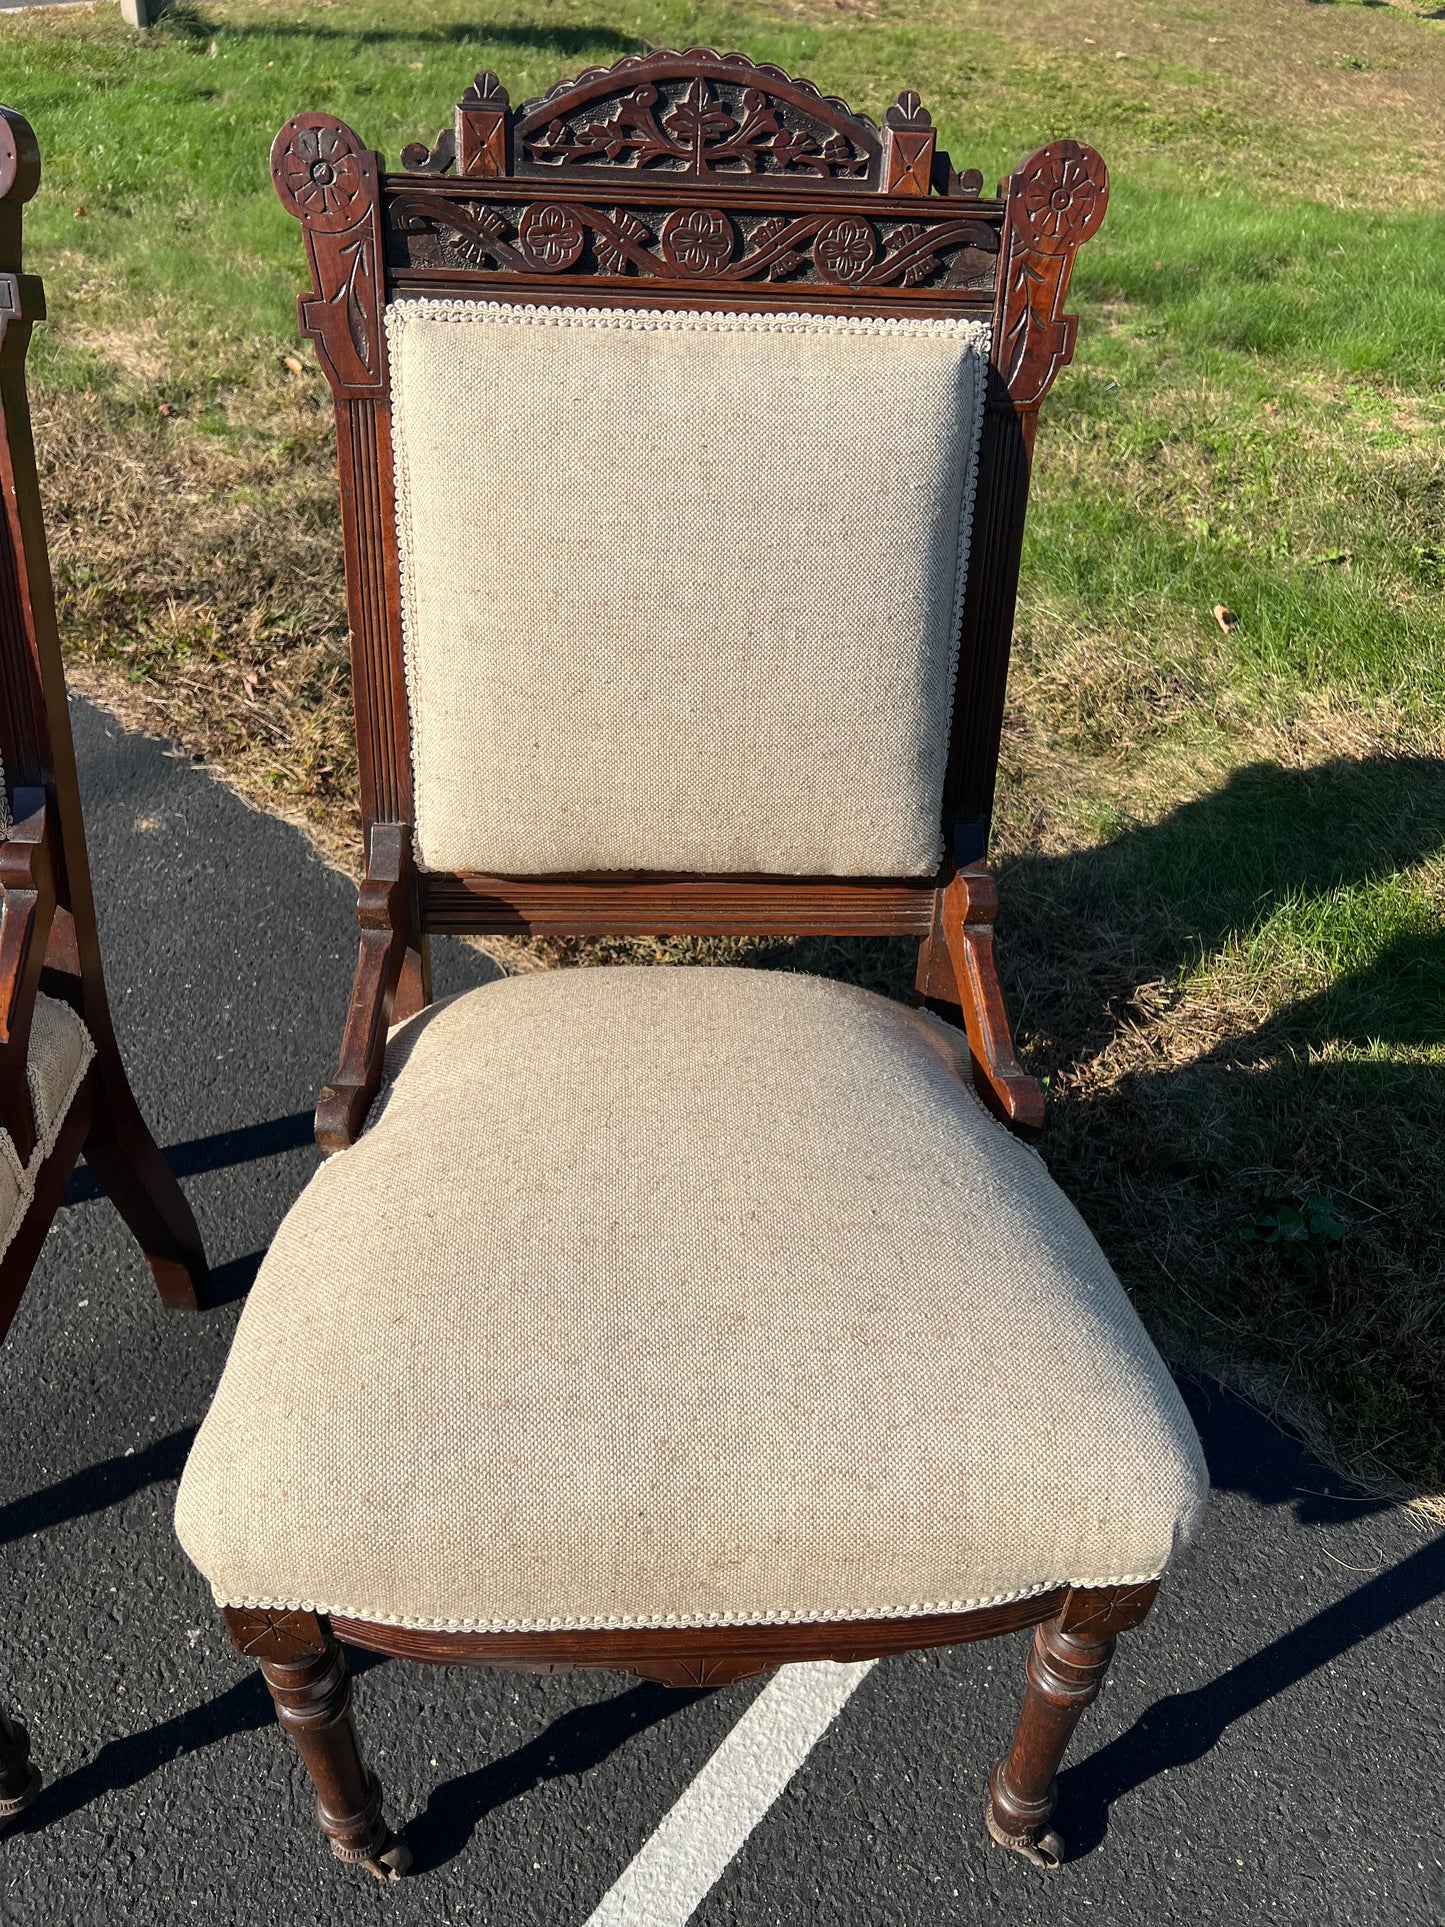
point(60, 1052)
point(682, 1296)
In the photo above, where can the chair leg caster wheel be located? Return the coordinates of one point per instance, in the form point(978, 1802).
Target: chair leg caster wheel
point(1042, 1847)
point(387, 1862)
point(11, 1809)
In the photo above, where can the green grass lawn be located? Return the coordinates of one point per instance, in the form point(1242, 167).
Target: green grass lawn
point(1222, 850)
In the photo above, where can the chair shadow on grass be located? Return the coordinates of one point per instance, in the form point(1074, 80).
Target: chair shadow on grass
point(1198, 1142)
point(1168, 894)
point(186, 22)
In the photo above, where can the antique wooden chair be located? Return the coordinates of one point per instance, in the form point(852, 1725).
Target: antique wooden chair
point(685, 1321)
point(63, 1089)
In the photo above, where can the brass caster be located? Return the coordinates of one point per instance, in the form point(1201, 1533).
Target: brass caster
point(389, 1862)
point(1042, 1847)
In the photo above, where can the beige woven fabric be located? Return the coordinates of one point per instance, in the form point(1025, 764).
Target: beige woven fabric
point(59, 1056)
point(682, 1296)
point(681, 591)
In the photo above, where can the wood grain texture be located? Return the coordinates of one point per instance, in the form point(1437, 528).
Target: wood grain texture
point(958, 977)
point(676, 905)
point(386, 913)
point(27, 905)
point(305, 1673)
point(1064, 1671)
point(679, 1655)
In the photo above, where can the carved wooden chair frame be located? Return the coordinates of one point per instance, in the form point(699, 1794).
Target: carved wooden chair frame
point(48, 937)
point(684, 180)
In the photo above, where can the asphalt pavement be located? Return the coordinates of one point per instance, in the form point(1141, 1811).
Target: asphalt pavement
point(1268, 1747)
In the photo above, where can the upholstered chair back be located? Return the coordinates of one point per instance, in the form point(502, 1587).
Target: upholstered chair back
point(681, 589)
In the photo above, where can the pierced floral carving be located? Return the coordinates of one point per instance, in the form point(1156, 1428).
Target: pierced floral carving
point(620, 241)
point(549, 238)
point(697, 113)
point(845, 249)
point(697, 241)
point(320, 176)
point(691, 244)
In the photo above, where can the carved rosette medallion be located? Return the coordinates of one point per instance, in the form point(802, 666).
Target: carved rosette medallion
point(328, 180)
point(697, 241)
point(1056, 200)
point(845, 249)
point(427, 230)
point(321, 175)
point(549, 238)
point(1064, 193)
point(272, 1633)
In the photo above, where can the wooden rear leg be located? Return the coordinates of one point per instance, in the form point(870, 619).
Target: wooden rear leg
point(134, 1175)
point(303, 1666)
point(19, 1777)
point(1065, 1670)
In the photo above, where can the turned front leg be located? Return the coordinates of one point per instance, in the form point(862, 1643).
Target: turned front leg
point(1065, 1669)
point(305, 1671)
point(19, 1779)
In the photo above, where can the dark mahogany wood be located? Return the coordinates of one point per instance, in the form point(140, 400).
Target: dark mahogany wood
point(386, 916)
point(303, 1667)
point(1065, 1670)
point(693, 180)
point(699, 180)
point(635, 903)
point(957, 978)
point(702, 1656)
point(48, 937)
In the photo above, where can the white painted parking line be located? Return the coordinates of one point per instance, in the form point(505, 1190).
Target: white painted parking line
point(666, 1882)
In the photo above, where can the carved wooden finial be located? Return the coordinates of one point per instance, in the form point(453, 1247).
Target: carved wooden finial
point(418, 158)
point(331, 183)
point(481, 137)
point(908, 111)
point(486, 91)
point(1056, 200)
point(908, 142)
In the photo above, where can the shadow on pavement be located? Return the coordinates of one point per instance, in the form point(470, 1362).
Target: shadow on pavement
point(1248, 1452)
point(1181, 1729)
point(96, 1487)
point(242, 1708)
point(571, 1745)
point(219, 1152)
